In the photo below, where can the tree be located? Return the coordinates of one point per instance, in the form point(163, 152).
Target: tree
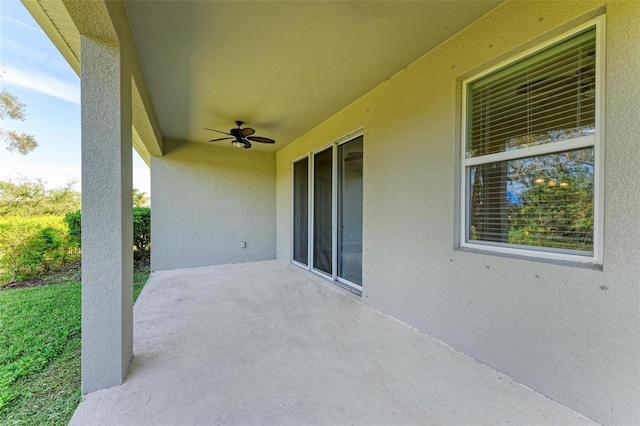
point(139, 198)
point(554, 205)
point(141, 231)
point(11, 107)
point(29, 197)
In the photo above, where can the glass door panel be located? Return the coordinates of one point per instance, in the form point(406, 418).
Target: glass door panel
point(301, 211)
point(350, 210)
point(322, 211)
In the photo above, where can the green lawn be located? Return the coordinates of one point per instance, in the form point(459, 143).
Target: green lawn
point(40, 352)
point(139, 280)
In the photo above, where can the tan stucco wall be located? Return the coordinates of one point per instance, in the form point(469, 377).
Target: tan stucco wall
point(548, 326)
point(206, 200)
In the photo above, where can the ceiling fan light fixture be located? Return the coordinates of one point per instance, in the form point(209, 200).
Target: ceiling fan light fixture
point(241, 138)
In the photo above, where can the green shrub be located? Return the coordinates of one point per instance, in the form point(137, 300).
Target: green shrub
point(46, 250)
point(32, 246)
point(141, 229)
point(74, 223)
point(14, 239)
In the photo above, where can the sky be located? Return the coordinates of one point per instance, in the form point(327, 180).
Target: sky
point(35, 72)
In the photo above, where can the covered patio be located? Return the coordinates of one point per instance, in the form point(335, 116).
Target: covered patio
point(267, 343)
point(378, 114)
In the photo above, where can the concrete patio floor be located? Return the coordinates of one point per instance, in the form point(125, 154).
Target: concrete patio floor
point(268, 344)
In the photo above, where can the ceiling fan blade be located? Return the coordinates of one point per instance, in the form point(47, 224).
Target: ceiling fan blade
point(260, 139)
point(219, 139)
point(247, 132)
point(353, 156)
point(219, 131)
point(247, 144)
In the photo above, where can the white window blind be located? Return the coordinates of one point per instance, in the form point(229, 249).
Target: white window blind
point(529, 161)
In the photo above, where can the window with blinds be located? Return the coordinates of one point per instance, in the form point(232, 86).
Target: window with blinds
point(530, 151)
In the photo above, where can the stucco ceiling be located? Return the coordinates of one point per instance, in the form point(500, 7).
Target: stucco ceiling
point(282, 67)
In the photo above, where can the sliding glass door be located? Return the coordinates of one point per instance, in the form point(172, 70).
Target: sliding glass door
point(327, 211)
point(350, 211)
point(301, 211)
point(323, 211)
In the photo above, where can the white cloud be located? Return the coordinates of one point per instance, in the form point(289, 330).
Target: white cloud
point(42, 83)
point(22, 24)
point(54, 177)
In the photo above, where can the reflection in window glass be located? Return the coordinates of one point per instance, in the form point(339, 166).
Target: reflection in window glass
point(544, 201)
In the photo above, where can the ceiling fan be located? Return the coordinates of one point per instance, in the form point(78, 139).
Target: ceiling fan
point(241, 138)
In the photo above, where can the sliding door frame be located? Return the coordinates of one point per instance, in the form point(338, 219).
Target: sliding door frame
point(342, 282)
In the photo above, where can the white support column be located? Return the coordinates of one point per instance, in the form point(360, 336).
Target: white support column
point(107, 223)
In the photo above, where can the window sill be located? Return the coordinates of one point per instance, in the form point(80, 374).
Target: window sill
point(518, 256)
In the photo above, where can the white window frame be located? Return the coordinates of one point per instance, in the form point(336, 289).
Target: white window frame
point(596, 141)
